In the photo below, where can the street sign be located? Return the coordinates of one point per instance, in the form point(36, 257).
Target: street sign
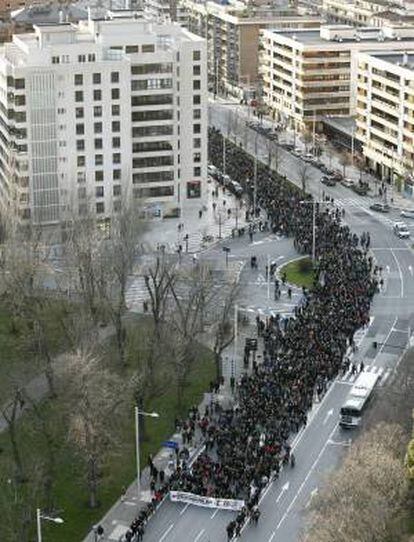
point(171, 444)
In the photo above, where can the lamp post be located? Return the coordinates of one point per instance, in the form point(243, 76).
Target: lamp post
point(314, 203)
point(137, 414)
point(39, 518)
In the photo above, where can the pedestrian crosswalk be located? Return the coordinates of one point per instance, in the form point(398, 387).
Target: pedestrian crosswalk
point(382, 372)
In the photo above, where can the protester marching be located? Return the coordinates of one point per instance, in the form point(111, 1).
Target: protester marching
point(246, 444)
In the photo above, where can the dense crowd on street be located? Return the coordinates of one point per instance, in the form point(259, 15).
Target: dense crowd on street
point(246, 444)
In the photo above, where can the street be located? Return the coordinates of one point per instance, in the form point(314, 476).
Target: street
point(320, 446)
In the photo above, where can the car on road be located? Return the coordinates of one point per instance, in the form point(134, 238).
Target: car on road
point(236, 188)
point(297, 151)
point(308, 157)
point(227, 181)
point(401, 230)
point(348, 183)
point(361, 189)
point(328, 180)
point(407, 213)
point(380, 207)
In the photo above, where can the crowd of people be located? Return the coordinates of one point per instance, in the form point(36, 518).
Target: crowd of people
point(246, 444)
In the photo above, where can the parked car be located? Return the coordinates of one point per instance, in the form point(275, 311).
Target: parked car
point(328, 180)
point(236, 188)
point(348, 183)
point(212, 170)
point(308, 157)
point(227, 181)
point(361, 189)
point(297, 151)
point(401, 230)
point(380, 207)
point(407, 213)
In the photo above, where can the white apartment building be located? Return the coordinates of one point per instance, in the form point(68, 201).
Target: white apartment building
point(385, 114)
point(367, 12)
point(310, 74)
point(96, 113)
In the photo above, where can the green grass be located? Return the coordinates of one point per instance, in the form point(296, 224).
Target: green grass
point(18, 362)
point(70, 494)
point(299, 272)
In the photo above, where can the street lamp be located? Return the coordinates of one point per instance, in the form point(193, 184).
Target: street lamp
point(314, 203)
point(39, 518)
point(137, 414)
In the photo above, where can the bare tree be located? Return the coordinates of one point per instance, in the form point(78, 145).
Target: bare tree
point(330, 152)
point(304, 171)
point(345, 160)
point(94, 397)
point(11, 413)
point(307, 138)
point(222, 328)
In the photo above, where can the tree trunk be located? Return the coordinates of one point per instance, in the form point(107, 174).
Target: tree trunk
point(120, 338)
point(217, 362)
point(92, 483)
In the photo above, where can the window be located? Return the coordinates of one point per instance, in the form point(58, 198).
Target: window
point(196, 55)
point(81, 160)
point(138, 116)
point(91, 58)
point(193, 189)
point(116, 158)
point(100, 207)
point(197, 128)
point(116, 174)
point(80, 144)
point(81, 58)
point(196, 69)
point(197, 157)
point(116, 126)
point(197, 171)
point(99, 176)
point(197, 99)
point(80, 129)
point(98, 144)
point(117, 190)
point(78, 96)
point(115, 93)
point(99, 191)
point(19, 84)
point(197, 114)
point(79, 112)
point(116, 110)
point(196, 142)
point(114, 77)
point(83, 209)
point(55, 60)
point(116, 142)
point(117, 206)
point(97, 94)
point(162, 67)
point(96, 78)
point(98, 159)
point(97, 111)
point(149, 48)
point(131, 49)
point(78, 79)
point(81, 177)
point(82, 192)
point(97, 127)
point(196, 84)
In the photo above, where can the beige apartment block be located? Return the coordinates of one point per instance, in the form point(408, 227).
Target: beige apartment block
point(368, 12)
point(385, 114)
point(232, 32)
point(311, 74)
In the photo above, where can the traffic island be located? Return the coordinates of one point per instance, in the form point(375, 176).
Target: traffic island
point(299, 272)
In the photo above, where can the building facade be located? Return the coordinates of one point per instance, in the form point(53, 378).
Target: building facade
point(385, 115)
point(100, 112)
point(367, 12)
point(310, 74)
point(232, 32)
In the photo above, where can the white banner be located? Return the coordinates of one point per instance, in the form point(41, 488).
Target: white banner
point(208, 502)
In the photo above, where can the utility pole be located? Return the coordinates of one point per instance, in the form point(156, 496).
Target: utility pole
point(314, 132)
point(255, 176)
point(314, 233)
point(224, 155)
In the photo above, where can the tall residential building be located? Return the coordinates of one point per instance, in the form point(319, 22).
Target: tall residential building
point(310, 74)
point(102, 111)
point(232, 32)
point(385, 114)
point(368, 12)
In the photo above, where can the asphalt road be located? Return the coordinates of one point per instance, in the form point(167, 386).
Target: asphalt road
point(321, 445)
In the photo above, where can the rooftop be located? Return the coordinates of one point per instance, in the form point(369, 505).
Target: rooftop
point(405, 59)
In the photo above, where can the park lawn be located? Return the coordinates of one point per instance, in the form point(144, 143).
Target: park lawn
point(294, 274)
point(71, 497)
point(17, 360)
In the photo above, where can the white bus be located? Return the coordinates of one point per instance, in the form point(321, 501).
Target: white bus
point(351, 411)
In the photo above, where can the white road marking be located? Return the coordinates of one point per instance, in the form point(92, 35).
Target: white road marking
point(213, 515)
point(272, 536)
point(285, 488)
point(184, 509)
point(289, 508)
point(166, 533)
point(410, 269)
point(328, 415)
point(399, 272)
point(200, 534)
